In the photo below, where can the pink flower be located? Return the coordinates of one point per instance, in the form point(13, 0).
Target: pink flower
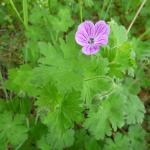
point(91, 36)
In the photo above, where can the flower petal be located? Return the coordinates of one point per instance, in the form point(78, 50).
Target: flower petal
point(101, 40)
point(101, 28)
point(91, 49)
point(89, 27)
point(82, 37)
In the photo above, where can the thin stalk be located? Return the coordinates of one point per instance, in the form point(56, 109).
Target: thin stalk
point(13, 6)
point(9, 21)
point(2, 82)
point(56, 36)
point(25, 16)
point(49, 28)
point(81, 4)
point(19, 145)
point(129, 2)
point(6, 95)
point(135, 16)
point(104, 77)
point(145, 64)
point(144, 33)
point(102, 9)
point(107, 9)
point(25, 13)
point(50, 7)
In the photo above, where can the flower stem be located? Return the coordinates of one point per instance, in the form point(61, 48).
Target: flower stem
point(13, 6)
point(135, 16)
point(50, 6)
point(81, 3)
point(107, 9)
point(104, 77)
point(102, 11)
point(56, 36)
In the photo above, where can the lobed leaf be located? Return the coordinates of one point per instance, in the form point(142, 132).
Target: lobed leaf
point(111, 109)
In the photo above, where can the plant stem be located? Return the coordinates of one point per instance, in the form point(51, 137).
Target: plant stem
point(25, 13)
point(135, 16)
point(6, 95)
point(81, 3)
point(104, 77)
point(50, 6)
point(144, 33)
point(107, 9)
point(56, 36)
point(13, 6)
point(102, 10)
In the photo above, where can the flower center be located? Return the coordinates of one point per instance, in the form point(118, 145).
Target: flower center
point(91, 41)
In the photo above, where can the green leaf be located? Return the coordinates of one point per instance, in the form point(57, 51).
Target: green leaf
point(148, 122)
point(63, 21)
point(137, 140)
point(42, 144)
point(92, 144)
point(96, 85)
point(145, 83)
point(15, 104)
point(66, 71)
point(125, 46)
point(135, 110)
point(119, 34)
point(80, 137)
point(68, 111)
point(3, 106)
point(111, 109)
point(123, 59)
point(131, 86)
point(58, 143)
point(3, 144)
point(109, 53)
point(11, 128)
point(19, 81)
point(119, 142)
point(49, 97)
point(89, 3)
point(115, 71)
point(41, 128)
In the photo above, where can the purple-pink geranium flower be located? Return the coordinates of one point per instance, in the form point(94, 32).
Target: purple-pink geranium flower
point(91, 36)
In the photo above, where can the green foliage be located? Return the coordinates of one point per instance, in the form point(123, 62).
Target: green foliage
point(66, 70)
point(89, 3)
point(60, 143)
point(137, 140)
point(111, 109)
point(3, 106)
point(131, 87)
point(96, 85)
point(80, 137)
point(12, 127)
point(119, 34)
point(135, 110)
point(19, 81)
point(63, 118)
point(119, 142)
point(49, 97)
point(96, 95)
point(42, 144)
point(63, 21)
point(41, 128)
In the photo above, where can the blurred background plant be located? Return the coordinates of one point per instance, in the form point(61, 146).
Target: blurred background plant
point(25, 23)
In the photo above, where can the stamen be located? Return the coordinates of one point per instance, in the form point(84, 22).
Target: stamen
point(91, 41)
